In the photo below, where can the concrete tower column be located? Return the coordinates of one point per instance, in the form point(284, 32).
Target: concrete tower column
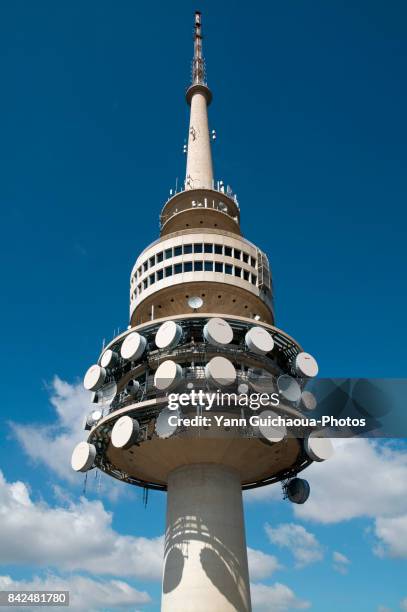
point(205, 559)
point(199, 173)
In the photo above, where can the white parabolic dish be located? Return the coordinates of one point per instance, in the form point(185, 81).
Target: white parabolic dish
point(309, 401)
point(133, 387)
point(243, 388)
point(318, 448)
point(218, 332)
point(125, 432)
point(163, 429)
point(269, 432)
point(259, 341)
point(220, 371)
point(107, 393)
point(167, 375)
point(109, 359)
point(289, 388)
point(94, 378)
point(83, 457)
point(133, 346)
point(168, 335)
point(195, 302)
point(306, 365)
point(94, 417)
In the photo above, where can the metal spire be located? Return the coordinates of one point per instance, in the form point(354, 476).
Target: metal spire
point(198, 63)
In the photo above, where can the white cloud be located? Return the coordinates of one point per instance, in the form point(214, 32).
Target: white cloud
point(277, 597)
point(392, 533)
point(403, 605)
point(303, 544)
point(78, 536)
point(261, 565)
point(383, 609)
point(340, 562)
point(86, 594)
point(53, 444)
point(338, 557)
point(363, 478)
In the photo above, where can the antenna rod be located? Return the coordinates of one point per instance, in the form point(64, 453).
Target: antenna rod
point(198, 68)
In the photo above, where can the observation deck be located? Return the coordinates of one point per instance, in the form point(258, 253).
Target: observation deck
point(196, 208)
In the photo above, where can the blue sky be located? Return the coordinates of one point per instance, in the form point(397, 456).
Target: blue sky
point(309, 108)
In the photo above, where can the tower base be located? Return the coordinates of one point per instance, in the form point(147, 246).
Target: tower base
point(205, 558)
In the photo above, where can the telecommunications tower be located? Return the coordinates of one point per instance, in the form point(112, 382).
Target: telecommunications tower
point(201, 319)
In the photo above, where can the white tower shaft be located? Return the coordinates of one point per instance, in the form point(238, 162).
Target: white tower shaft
point(199, 158)
point(205, 564)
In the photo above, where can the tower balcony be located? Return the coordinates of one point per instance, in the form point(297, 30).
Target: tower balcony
point(201, 208)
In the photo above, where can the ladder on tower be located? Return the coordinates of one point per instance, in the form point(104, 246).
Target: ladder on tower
point(263, 270)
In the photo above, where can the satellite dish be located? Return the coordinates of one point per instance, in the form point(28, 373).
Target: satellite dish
point(218, 332)
point(109, 359)
point(169, 334)
point(318, 448)
point(94, 378)
point(243, 388)
point(259, 341)
point(107, 393)
point(133, 387)
point(195, 302)
point(308, 400)
point(262, 381)
point(83, 457)
point(125, 432)
point(133, 346)
point(163, 429)
point(305, 365)
point(168, 375)
point(93, 417)
point(269, 432)
point(289, 388)
point(298, 490)
point(220, 371)
point(85, 424)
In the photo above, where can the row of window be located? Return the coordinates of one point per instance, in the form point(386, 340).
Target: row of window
point(197, 247)
point(196, 266)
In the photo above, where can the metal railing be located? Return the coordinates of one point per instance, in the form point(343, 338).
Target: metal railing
point(218, 186)
point(204, 203)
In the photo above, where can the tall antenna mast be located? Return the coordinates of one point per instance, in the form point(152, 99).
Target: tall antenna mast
point(199, 171)
point(198, 64)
